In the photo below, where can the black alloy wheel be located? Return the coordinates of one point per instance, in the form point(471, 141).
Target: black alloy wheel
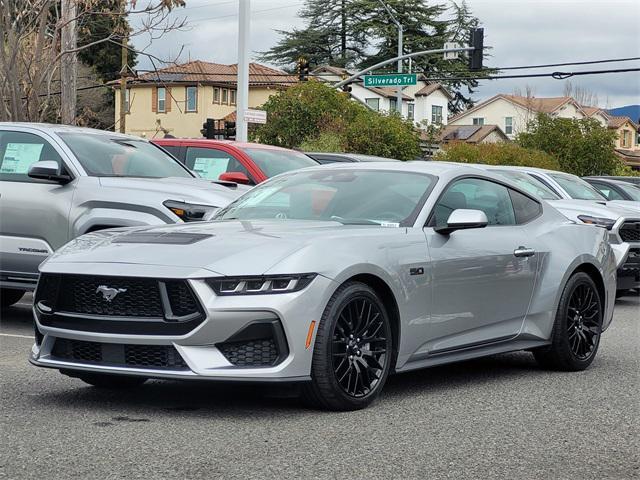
point(353, 350)
point(578, 324)
point(359, 347)
point(583, 325)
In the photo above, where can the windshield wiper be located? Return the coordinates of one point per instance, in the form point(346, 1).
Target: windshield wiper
point(354, 221)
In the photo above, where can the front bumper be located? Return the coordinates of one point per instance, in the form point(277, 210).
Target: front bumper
point(629, 271)
point(200, 348)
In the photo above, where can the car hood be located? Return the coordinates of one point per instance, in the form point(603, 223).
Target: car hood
point(227, 247)
point(626, 204)
point(192, 190)
point(573, 208)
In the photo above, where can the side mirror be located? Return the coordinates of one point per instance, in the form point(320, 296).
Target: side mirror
point(236, 177)
point(463, 219)
point(48, 170)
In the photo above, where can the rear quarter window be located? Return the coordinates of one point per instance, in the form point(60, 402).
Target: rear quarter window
point(525, 208)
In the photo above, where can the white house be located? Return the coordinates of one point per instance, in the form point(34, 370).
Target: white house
point(512, 112)
point(425, 103)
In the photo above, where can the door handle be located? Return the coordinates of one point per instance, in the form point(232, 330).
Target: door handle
point(524, 252)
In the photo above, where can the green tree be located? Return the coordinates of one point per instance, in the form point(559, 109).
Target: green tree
point(501, 153)
point(315, 116)
point(581, 146)
point(360, 33)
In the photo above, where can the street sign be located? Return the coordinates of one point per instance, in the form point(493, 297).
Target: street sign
point(451, 46)
point(255, 116)
point(391, 80)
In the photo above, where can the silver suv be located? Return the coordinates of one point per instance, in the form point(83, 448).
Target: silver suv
point(58, 182)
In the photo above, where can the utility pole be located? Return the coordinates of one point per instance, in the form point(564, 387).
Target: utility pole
point(68, 63)
point(400, 49)
point(124, 71)
point(242, 102)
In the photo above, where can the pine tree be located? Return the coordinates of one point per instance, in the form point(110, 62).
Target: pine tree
point(360, 33)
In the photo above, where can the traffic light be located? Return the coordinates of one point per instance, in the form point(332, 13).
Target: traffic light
point(477, 42)
point(347, 88)
point(230, 130)
point(208, 128)
point(303, 69)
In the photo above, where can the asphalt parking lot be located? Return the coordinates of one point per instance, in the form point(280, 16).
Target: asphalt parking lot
point(499, 417)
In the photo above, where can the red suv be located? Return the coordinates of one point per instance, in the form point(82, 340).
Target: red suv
point(247, 163)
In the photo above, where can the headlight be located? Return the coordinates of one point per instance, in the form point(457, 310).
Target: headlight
point(260, 285)
point(190, 212)
point(600, 222)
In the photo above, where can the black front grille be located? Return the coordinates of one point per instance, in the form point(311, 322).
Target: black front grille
point(134, 297)
point(630, 232)
point(155, 357)
point(137, 306)
point(253, 353)
point(261, 343)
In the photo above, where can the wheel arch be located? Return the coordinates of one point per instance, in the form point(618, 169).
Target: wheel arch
point(596, 276)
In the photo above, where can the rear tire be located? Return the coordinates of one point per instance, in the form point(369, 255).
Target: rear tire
point(111, 382)
point(10, 296)
point(576, 332)
point(353, 351)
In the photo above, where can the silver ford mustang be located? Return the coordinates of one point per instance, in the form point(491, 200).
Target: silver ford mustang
point(335, 277)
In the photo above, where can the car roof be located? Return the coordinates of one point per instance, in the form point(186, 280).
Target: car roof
point(354, 156)
point(415, 166)
point(212, 143)
point(59, 128)
point(615, 181)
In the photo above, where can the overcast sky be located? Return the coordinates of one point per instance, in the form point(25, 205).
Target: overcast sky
point(520, 32)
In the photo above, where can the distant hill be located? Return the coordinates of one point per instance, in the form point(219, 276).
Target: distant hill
point(631, 111)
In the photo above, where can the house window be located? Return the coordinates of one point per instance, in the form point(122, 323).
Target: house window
point(216, 95)
point(233, 97)
point(508, 125)
point(162, 100)
point(225, 96)
point(411, 111)
point(626, 138)
point(373, 103)
point(478, 121)
point(192, 99)
point(392, 105)
point(436, 114)
point(127, 105)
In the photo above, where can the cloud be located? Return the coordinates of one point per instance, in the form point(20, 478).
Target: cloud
point(520, 32)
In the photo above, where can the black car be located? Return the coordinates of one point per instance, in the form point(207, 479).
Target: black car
point(323, 158)
point(615, 189)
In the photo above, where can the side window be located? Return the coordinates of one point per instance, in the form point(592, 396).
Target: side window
point(18, 151)
point(607, 191)
point(476, 194)
point(211, 163)
point(173, 150)
point(525, 208)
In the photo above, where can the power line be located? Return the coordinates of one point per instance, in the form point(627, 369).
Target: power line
point(297, 4)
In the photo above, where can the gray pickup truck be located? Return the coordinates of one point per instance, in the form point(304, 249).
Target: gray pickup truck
point(58, 182)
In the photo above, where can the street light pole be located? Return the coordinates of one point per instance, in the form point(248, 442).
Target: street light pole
point(242, 101)
point(400, 49)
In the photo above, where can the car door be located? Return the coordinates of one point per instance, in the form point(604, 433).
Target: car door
point(33, 213)
point(211, 163)
point(482, 278)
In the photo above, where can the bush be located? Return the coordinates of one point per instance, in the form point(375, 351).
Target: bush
point(313, 116)
point(503, 153)
point(582, 147)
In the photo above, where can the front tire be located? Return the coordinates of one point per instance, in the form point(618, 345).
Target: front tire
point(353, 351)
point(577, 328)
point(10, 296)
point(110, 382)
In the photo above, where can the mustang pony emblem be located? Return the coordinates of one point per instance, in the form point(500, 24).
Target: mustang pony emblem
point(109, 293)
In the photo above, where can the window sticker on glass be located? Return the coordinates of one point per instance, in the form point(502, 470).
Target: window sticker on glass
point(210, 168)
point(18, 157)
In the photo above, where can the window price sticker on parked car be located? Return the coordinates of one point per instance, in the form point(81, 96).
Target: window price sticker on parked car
point(18, 157)
point(210, 168)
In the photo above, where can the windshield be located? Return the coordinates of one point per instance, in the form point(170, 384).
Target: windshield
point(632, 190)
point(577, 188)
point(529, 184)
point(273, 162)
point(103, 155)
point(354, 197)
